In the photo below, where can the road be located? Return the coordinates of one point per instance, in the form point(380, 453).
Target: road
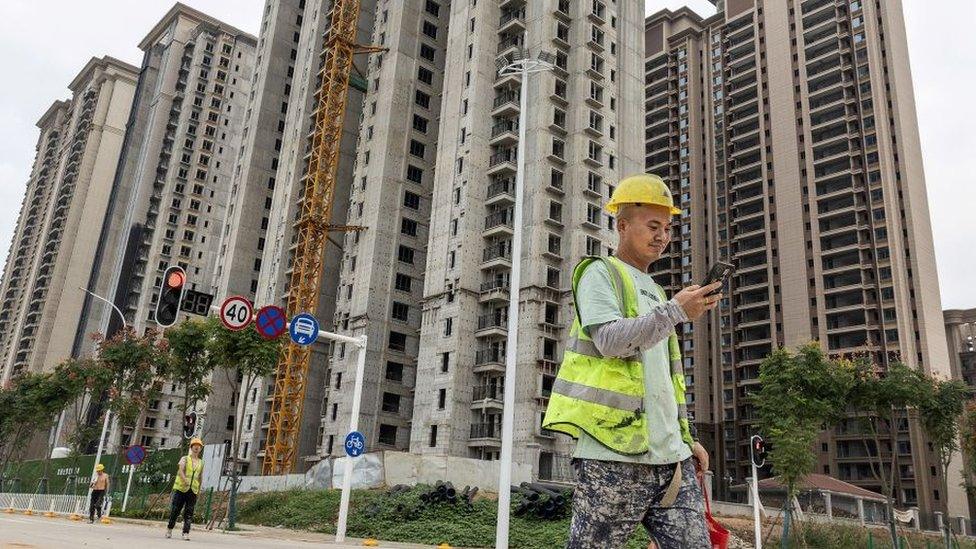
point(23, 532)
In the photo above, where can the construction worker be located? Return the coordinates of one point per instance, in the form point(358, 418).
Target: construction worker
point(620, 389)
point(99, 486)
point(186, 488)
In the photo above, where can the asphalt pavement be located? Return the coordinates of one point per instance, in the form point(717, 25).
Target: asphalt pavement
point(23, 532)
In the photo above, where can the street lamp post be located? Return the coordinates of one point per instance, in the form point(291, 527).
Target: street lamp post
point(523, 65)
point(108, 413)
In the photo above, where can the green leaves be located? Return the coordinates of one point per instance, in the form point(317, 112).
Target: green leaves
point(801, 392)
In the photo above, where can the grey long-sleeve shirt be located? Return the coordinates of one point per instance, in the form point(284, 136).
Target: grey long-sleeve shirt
point(624, 336)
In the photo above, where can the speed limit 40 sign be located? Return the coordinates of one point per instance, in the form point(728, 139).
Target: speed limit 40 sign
point(236, 313)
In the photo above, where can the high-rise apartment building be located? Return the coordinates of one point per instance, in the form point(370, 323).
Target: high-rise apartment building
point(68, 192)
point(266, 202)
point(960, 326)
point(173, 181)
point(580, 139)
point(382, 273)
point(787, 130)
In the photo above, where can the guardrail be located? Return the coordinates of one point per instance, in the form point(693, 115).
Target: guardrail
point(49, 505)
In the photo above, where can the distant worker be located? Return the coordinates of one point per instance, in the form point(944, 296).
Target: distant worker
point(621, 390)
point(99, 486)
point(186, 488)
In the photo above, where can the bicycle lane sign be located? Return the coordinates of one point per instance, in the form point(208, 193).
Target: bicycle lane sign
point(355, 444)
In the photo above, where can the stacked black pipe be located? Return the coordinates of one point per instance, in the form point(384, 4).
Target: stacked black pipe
point(546, 501)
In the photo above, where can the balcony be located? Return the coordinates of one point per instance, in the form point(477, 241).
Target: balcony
point(494, 290)
point(512, 21)
point(503, 162)
point(501, 192)
point(485, 435)
point(504, 133)
point(500, 222)
point(497, 254)
point(506, 104)
point(509, 43)
point(491, 360)
point(492, 324)
point(486, 397)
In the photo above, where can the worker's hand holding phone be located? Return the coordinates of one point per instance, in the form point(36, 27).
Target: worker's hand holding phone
point(696, 299)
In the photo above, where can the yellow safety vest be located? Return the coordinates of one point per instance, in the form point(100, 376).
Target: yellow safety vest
point(192, 474)
point(604, 396)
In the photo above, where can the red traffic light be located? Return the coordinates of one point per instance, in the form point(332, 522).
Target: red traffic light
point(176, 279)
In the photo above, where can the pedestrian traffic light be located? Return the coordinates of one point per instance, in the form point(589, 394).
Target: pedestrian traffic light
point(170, 296)
point(189, 424)
point(757, 450)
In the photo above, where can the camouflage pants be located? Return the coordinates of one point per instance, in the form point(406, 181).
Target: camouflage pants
point(611, 498)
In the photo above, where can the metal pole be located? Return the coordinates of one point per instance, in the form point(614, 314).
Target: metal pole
point(98, 454)
point(96, 296)
point(511, 345)
point(353, 425)
point(128, 485)
point(755, 505)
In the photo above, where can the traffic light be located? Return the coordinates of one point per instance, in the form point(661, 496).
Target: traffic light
point(757, 450)
point(189, 424)
point(170, 296)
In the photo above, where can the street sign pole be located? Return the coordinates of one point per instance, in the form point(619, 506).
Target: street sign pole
point(128, 486)
point(98, 454)
point(757, 524)
point(353, 426)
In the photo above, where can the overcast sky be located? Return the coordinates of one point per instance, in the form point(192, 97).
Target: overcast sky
point(43, 45)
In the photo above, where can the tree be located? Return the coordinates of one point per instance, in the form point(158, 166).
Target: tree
point(800, 393)
point(244, 356)
point(968, 442)
point(31, 404)
point(136, 367)
point(879, 400)
point(941, 409)
point(189, 363)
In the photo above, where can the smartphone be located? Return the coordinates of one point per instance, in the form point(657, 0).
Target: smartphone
point(719, 271)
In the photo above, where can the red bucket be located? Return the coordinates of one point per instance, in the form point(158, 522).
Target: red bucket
point(717, 533)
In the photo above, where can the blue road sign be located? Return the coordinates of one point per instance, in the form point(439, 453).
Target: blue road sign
point(271, 322)
point(135, 454)
point(355, 444)
point(304, 329)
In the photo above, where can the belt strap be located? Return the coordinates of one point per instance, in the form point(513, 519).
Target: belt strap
point(671, 494)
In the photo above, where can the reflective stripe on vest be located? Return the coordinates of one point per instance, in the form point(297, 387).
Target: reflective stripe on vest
point(603, 396)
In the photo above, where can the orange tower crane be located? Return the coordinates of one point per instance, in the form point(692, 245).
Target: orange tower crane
point(313, 227)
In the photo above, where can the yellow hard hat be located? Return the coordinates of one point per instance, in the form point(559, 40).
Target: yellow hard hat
point(642, 189)
point(196, 441)
point(99, 467)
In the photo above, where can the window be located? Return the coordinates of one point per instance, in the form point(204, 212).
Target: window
point(398, 341)
point(408, 227)
point(432, 8)
point(448, 327)
point(417, 148)
point(425, 75)
point(433, 436)
point(441, 399)
point(403, 282)
point(391, 403)
point(400, 311)
point(422, 99)
point(405, 254)
point(556, 179)
point(414, 174)
point(388, 434)
point(394, 371)
point(420, 123)
point(430, 29)
point(427, 52)
point(339, 380)
point(411, 200)
point(445, 362)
